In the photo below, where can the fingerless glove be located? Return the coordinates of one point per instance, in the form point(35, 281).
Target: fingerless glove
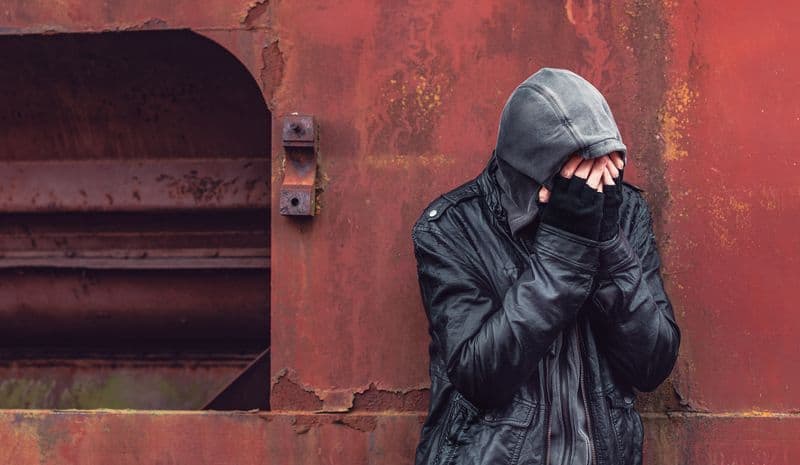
point(611, 203)
point(574, 207)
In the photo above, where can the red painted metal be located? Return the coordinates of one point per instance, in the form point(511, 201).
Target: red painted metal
point(407, 96)
point(148, 437)
point(132, 308)
point(135, 193)
point(133, 185)
point(170, 380)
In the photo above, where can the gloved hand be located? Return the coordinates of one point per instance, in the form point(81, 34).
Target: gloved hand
point(575, 207)
point(609, 227)
point(611, 203)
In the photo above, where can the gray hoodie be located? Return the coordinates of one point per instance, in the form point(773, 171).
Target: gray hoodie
point(551, 115)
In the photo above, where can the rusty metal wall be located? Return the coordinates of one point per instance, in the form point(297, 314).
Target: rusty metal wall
point(134, 251)
point(407, 96)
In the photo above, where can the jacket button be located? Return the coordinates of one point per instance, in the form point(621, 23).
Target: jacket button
point(628, 399)
point(432, 213)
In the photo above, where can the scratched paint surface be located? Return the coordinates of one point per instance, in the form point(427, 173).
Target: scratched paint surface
point(408, 95)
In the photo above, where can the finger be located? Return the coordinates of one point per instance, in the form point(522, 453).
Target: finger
point(569, 167)
point(598, 167)
point(617, 159)
point(584, 168)
point(612, 169)
point(544, 195)
point(608, 179)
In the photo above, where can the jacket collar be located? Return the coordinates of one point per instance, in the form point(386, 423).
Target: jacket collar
point(491, 192)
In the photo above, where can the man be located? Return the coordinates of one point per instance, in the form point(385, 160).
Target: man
point(541, 284)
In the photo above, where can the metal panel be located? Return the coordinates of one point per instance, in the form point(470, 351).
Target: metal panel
point(131, 309)
point(133, 185)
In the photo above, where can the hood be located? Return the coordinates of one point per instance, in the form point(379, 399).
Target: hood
point(551, 115)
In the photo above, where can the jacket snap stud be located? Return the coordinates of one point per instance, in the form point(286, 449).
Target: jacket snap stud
point(432, 213)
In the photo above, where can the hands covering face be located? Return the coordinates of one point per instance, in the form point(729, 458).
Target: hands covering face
point(586, 197)
point(611, 171)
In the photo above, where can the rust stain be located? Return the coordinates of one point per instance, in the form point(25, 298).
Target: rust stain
point(645, 35)
point(412, 97)
point(587, 19)
point(685, 403)
point(201, 188)
point(412, 105)
point(364, 424)
point(769, 197)
point(674, 118)
point(719, 222)
point(405, 162)
point(729, 216)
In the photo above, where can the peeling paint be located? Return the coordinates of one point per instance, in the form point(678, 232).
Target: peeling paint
point(272, 69)
point(374, 399)
point(287, 391)
point(256, 12)
point(150, 24)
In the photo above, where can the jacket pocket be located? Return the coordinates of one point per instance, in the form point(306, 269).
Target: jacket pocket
point(485, 436)
point(627, 426)
point(452, 434)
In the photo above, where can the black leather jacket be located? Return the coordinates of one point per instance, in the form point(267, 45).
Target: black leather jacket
point(495, 305)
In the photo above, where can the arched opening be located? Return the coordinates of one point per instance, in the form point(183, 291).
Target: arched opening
point(134, 246)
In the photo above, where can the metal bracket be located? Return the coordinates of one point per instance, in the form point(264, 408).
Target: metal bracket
point(300, 173)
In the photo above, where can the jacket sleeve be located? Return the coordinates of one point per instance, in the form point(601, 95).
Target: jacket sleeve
point(492, 343)
point(635, 321)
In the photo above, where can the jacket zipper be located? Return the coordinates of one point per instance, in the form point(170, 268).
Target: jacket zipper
point(546, 381)
point(523, 248)
point(547, 407)
point(579, 333)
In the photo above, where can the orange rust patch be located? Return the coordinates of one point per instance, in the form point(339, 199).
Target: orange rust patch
point(674, 119)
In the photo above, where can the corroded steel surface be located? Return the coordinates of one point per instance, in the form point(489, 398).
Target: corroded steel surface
point(407, 96)
point(132, 438)
point(298, 187)
point(733, 175)
point(135, 190)
point(408, 108)
point(132, 308)
point(141, 185)
point(157, 95)
point(167, 382)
